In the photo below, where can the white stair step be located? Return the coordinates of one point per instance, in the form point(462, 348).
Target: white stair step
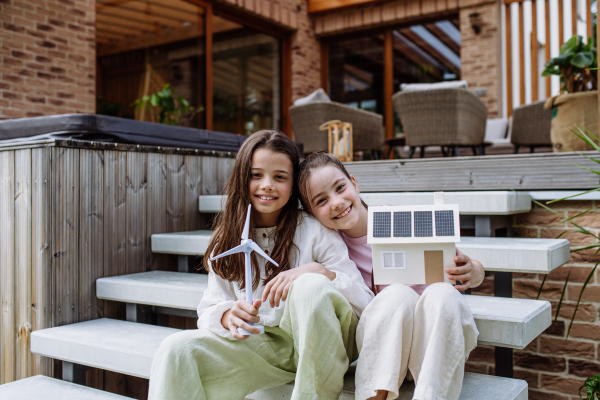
point(469, 203)
point(527, 255)
point(119, 346)
point(42, 387)
point(128, 348)
point(501, 321)
point(183, 243)
point(475, 387)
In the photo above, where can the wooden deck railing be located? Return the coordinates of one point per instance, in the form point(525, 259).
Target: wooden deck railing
point(530, 23)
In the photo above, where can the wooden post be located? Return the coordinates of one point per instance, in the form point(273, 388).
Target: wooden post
point(388, 82)
point(534, 52)
point(547, 47)
point(597, 41)
point(509, 99)
point(561, 23)
point(574, 16)
point(521, 56)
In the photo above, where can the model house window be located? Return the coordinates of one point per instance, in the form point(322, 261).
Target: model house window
point(393, 260)
point(423, 223)
point(382, 224)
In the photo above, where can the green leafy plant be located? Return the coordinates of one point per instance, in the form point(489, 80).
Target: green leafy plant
point(572, 65)
point(593, 246)
point(172, 109)
point(592, 388)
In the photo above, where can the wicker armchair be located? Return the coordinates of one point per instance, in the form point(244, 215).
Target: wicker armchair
point(441, 117)
point(531, 126)
point(367, 127)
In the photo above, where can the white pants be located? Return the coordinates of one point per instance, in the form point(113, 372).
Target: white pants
point(431, 335)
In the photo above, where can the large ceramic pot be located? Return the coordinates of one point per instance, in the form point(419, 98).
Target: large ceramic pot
point(569, 110)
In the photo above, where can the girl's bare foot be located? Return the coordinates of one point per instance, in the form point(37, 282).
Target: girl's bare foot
point(381, 395)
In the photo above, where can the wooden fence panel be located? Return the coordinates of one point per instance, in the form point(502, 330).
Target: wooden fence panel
point(156, 209)
point(23, 261)
point(41, 245)
point(7, 271)
point(65, 211)
point(136, 193)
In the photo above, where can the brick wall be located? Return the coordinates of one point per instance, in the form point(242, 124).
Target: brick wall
point(48, 58)
point(554, 366)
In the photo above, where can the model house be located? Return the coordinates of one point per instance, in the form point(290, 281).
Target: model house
point(412, 244)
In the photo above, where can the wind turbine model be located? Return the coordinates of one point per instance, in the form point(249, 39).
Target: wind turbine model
point(246, 247)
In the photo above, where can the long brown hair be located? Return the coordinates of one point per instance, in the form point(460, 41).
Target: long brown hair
point(229, 224)
point(312, 162)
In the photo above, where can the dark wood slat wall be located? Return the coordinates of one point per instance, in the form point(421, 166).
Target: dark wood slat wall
point(69, 216)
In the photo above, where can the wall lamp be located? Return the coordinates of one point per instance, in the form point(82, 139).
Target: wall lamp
point(475, 20)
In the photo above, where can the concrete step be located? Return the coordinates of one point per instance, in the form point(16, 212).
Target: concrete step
point(527, 255)
point(469, 203)
point(475, 387)
point(501, 321)
point(128, 348)
point(42, 387)
point(120, 346)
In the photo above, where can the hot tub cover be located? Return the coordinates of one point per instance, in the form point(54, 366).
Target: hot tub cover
point(102, 128)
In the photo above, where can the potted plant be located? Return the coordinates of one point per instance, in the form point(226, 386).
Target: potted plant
point(579, 102)
point(167, 108)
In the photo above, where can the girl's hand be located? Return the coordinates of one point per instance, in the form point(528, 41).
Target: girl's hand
point(469, 272)
point(277, 289)
point(239, 316)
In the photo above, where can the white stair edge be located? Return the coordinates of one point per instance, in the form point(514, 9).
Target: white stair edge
point(128, 347)
point(526, 255)
point(119, 346)
point(43, 387)
point(501, 321)
point(475, 387)
point(469, 203)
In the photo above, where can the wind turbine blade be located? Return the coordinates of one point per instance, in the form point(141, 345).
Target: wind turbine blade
point(238, 249)
point(260, 251)
point(247, 225)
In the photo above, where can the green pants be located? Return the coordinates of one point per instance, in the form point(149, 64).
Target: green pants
point(313, 345)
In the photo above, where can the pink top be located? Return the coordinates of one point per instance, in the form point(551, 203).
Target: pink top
point(360, 252)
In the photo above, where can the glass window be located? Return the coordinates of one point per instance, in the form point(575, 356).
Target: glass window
point(246, 79)
point(145, 44)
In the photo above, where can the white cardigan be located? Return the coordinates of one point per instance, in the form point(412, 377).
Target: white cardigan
point(315, 243)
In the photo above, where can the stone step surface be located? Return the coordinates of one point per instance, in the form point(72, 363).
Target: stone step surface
point(469, 203)
point(42, 387)
point(475, 387)
point(128, 347)
point(119, 346)
point(501, 321)
point(526, 255)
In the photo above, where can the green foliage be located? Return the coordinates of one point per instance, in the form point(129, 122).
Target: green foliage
point(592, 388)
point(572, 65)
point(171, 108)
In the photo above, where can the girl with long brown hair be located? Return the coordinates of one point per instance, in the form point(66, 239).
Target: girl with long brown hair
point(419, 330)
point(315, 296)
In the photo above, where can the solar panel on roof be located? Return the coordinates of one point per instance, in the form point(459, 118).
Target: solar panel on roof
point(444, 223)
point(423, 223)
point(402, 224)
point(382, 224)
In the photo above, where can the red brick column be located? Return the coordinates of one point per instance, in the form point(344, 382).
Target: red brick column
point(554, 366)
point(48, 57)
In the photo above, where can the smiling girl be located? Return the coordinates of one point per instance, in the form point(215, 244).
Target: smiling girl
point(428, 331)
point(315, 294)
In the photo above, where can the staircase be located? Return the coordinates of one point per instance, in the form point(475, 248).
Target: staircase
point(128, 346)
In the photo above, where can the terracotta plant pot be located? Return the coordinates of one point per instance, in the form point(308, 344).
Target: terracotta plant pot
point(569, 110)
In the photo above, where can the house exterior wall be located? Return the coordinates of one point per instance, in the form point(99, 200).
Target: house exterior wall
point(553, 365)
point(48, 57)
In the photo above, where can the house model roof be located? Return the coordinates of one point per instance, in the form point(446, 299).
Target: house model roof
point(414, 224)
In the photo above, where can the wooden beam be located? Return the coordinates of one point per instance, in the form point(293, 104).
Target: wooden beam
point(319, 6)
point(118, 29)
point(137, 16)
point(324, 66)
point(441, 35)
point(507, 30)
point(588, 17)
point(574, 17)
point(409, 53)
point(148, 40)
point(432, 51)
point(157, 9)
point(521, 56)
point(534, 52)
point(388, 83)
point(561, 23)
point(116, 20)
point(547, 46)
point(208, 67)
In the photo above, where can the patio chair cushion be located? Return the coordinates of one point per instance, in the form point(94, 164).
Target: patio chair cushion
point(318, 96)
point(417, 87)
point(496, 128)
